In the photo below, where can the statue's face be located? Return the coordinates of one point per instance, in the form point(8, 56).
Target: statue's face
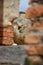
point(20, 26)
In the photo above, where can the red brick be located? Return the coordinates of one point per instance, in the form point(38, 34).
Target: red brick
point(35, 11)
point(6, 41)
point(6, 31)
point(34, 49)
point(7, 34)
point(38, 25)
point(6, 27)
point(32, 39)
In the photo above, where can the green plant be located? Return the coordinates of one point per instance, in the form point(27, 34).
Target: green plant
point(31, 62)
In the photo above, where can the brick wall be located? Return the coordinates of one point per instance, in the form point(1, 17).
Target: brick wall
point(34, 48)
point(6, 35)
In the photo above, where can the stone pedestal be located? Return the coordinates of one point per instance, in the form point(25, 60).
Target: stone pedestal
point(12, 55)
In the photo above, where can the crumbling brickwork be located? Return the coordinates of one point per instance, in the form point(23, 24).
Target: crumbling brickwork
point(35, 15)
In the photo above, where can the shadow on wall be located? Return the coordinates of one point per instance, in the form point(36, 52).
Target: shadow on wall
point(1, 21)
